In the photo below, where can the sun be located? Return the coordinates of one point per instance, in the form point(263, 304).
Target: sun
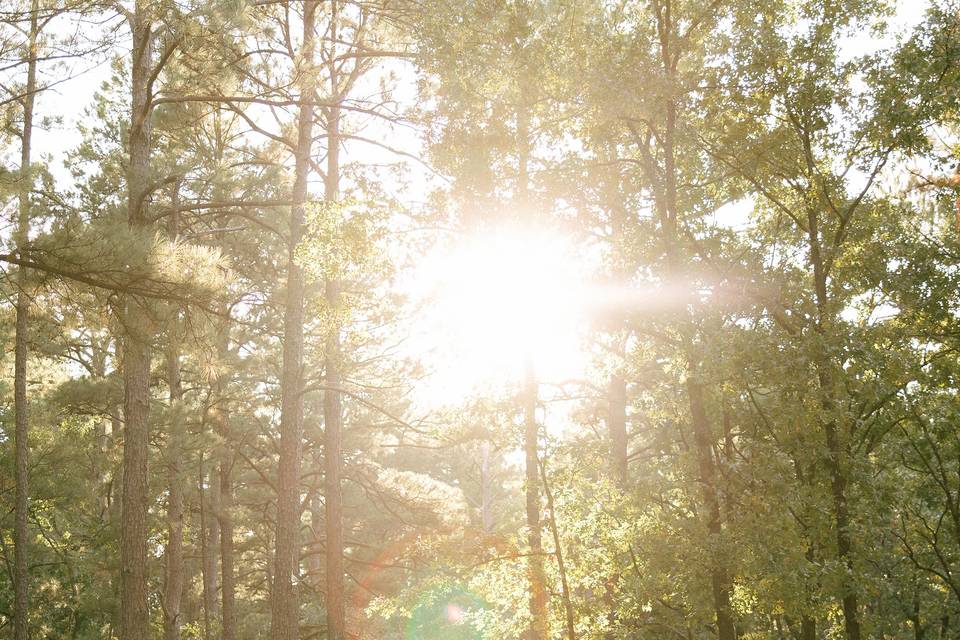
point(497, 300)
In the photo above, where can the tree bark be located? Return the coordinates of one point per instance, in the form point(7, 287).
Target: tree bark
point(836, 452)
point(285, 606)
point(558, 554)
point(333, 511)
point(134, 610)
point(21, 534)
point(173, 553)
point(539, 612)
point(220, 416)
point(332, 409)
point(209, 542)
point(539, 628)
point(617, 426)
point(720, 580)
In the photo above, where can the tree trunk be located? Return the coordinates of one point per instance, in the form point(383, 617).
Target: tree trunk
point(220, 416)
point(285, 606)
point(539, 605)
point(720, 580)
point(209, 541)
point(558, 554)
point(173, 554)
point(134, 610)
point(617, 426)
point(539, 623)
point(314, 547)
point(332, 409)
point(667, 208)
point(21, 534)
point(333, 447)
point(836, 452)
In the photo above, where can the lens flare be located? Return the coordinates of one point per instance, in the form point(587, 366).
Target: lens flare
point(450, 613)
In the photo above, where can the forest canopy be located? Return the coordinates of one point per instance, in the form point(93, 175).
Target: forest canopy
point(480, 319)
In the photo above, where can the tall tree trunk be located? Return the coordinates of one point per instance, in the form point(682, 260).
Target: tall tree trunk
point(539, 605)
point(21, 534)
point(220, 416)
point(332, 409)
point(539, 623)
point(134, 609)
point(617, 426)
point(173, 553)
point(210, 541)
point(720, 580)
point(285, 605)
point(314, 547)
point(333, 511)
point(209, 534)
point(703, 439)
point(836, 450)
point(558, 554)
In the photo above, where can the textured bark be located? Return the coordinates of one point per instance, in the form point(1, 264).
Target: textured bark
point(285, 606)
point(134, 610)
point(21, 534)
point(332, 401)
point(617, 426)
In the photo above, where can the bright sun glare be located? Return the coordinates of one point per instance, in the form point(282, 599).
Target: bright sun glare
point(497, 300)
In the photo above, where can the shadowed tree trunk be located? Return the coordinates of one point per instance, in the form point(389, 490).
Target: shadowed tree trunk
point(173, 553)
point(558, 554)
point(209, 496)
point(666, 205)
point(220, 416)
point(332, 409)
point(836, 452)
point(285, 604)
point(617, 426)
point(720, 580)
point(539, 624)
point(21, 535)
point(134, 610)
point(539, 604)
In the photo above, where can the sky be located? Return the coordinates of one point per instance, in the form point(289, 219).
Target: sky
point(69, 99)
